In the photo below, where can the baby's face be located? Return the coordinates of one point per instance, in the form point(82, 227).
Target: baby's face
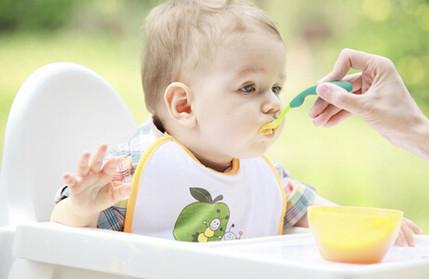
point(237, 92)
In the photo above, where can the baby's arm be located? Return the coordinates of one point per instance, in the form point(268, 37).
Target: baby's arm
point(318, 200)
point(407, 232)
point(90, 191)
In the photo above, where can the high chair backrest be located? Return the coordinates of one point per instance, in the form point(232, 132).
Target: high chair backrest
point(59, 112)
point(4, 219)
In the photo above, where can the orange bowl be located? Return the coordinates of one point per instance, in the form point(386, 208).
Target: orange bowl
point(354, 234)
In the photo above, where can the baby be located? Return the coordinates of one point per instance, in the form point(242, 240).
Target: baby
point(212, 75)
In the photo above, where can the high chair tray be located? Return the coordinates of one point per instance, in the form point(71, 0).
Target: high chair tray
point(289, 256)
point(296, 252)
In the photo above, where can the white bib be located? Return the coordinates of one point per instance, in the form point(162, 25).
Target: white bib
point(174, 196)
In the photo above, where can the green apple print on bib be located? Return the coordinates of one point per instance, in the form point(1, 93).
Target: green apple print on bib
point(204, 220)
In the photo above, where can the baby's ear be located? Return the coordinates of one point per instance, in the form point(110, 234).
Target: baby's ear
point(177, 98)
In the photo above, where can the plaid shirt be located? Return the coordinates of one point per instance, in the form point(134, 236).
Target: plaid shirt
point(299, 195)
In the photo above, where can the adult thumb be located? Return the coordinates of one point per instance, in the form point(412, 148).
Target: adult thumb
point(339, 97)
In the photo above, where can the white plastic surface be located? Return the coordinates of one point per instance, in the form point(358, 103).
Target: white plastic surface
point(6, 241)
point(301, 250)
point(60, 111)
point(289, 256)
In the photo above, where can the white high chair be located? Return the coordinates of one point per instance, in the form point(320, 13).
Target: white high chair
point(61, 110)
point(6, 236)
point(64, 109)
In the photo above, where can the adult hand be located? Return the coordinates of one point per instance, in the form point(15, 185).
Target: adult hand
point(380, 98)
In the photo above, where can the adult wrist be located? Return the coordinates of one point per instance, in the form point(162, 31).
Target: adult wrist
point(424, 140)
point(419, 140)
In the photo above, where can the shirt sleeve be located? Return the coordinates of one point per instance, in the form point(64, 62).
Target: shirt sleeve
point(299, 197)
point(61, 194)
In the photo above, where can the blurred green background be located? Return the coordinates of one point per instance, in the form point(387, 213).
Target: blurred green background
point(349, 164)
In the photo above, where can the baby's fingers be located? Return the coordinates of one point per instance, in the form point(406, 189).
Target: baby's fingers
point(400, 240)
point(97, 159)
point(72, 183)
point(110, 167)
point(82, 167)
point(416, 229)
point(408, 234)
point(69, 180)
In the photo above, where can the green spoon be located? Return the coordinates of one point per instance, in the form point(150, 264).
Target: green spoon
point(269, 128)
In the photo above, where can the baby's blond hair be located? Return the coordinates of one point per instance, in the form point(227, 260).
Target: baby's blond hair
point(180, 33)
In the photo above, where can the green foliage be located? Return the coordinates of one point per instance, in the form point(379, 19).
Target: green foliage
point(400, 31)
point(394, 28)
point(349, 164)
point(34, 14)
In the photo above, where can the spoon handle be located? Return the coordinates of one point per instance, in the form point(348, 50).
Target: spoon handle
point(299, 99)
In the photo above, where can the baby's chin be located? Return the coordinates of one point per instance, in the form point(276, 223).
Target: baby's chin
point(246, 149)
point(256, 151)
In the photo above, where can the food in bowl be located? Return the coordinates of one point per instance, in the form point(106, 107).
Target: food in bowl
point(354, 234)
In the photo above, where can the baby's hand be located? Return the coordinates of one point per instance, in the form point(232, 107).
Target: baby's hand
point(407, 232)
point(91, 190)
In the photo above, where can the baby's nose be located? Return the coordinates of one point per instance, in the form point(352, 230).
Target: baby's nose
point(272, 107)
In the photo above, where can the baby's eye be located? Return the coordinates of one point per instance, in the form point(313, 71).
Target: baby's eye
point(248, 88)
point(276, 89)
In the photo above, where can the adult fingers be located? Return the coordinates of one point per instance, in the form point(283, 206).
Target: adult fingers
point(348, 59)
point(337, 118)
point(324, 116)
point(320, 105)
point(340, 98)
point(356, 81)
